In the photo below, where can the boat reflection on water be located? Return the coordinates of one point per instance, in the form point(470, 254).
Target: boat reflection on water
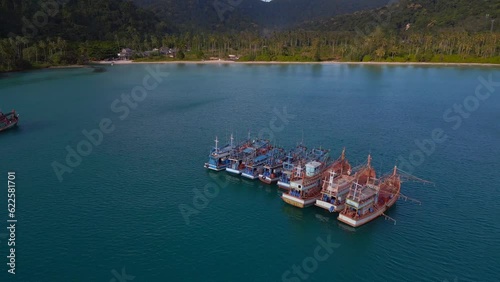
point(223, 179)
point(293, 212)
point(322, 218)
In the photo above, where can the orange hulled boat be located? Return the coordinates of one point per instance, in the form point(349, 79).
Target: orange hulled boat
point(366, 202)
point(305, 186)
point(337, 183)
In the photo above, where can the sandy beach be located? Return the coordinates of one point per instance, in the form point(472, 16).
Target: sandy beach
point(217, 62)
point(68, 67)
point(292, 63)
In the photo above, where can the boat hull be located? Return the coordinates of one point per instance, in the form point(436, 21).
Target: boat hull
point(268, 180)
point(249, 176)
point(284, 186)
point(214, 168)
point(233, 171)
point(328, 206)
point(9, 126)
point(297, 202)
point(361, 221)
point(358, 222)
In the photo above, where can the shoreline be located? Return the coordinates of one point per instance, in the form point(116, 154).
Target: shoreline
point(87, 66)
point(298, 63)
point(68, 67)
point(226, 62)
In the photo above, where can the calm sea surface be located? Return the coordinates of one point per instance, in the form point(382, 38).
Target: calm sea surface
point(118, 215)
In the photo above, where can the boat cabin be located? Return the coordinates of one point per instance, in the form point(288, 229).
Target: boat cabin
point(313, 168)
point(362, 198)
point(248, 150)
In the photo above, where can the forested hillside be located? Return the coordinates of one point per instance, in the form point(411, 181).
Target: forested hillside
point(251, 14)
point(60, 32)
point(35, 34)
point(77, 19)
point(422, 15)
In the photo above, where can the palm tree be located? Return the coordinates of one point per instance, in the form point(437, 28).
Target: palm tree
point(154, 41)
point(61, 44)
point(43, 46)
point(52, 47)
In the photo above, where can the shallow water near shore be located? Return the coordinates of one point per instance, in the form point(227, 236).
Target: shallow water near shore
point(119, 210)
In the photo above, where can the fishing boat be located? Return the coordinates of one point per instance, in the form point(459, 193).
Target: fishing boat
point(337, 182)
point(369, 201)
point(219, 157)
point(8, 120)
point(305, 184)
point(255, 166)
point(273, 168)
point(236, 158)
point(246, 154)
point(298, 155)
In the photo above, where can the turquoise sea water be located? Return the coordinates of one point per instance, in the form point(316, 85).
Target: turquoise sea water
point(117, 216)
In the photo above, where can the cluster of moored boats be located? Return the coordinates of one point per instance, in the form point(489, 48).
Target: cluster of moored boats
point(309, 177)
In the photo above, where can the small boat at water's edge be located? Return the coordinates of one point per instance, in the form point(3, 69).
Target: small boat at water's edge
point(8, 120)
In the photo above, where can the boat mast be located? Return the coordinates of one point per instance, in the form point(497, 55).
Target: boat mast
point(216, 144)
point(232, 140)
point(332, 176)
point(342, 159)
point(368, 166)
point(298, 171)
point(355, 190)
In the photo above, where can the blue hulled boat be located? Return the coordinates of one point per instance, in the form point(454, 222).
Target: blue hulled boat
point(299, 154)
point(273, 168)
point(245, 154)
point(219, 157)
point(260, 164)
